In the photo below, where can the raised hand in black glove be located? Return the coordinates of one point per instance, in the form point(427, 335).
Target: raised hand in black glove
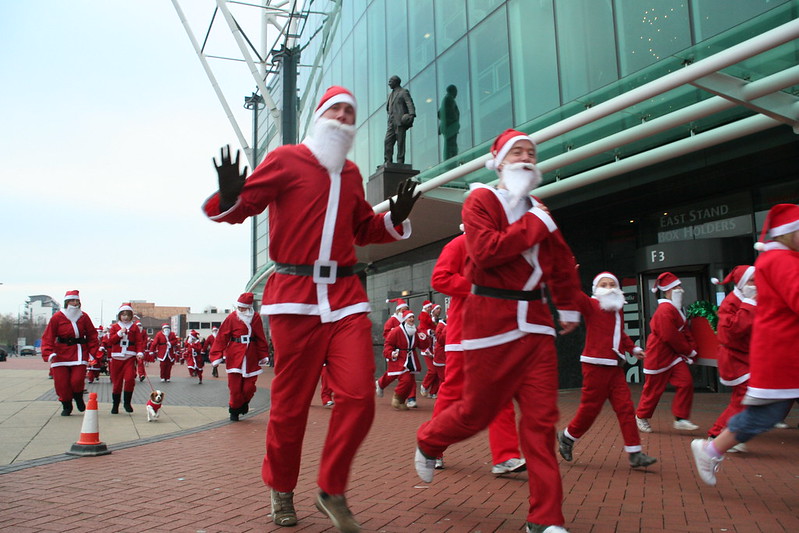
point(230, 181)
point(405, 200)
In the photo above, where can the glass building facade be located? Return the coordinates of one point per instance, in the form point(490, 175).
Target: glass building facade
point(528, 64)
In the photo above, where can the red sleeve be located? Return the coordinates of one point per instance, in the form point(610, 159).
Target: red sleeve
point(222, 340)
point(390, 344)
point(261, 346)
point(668, 326)
point(447, 275)
point(48, 338)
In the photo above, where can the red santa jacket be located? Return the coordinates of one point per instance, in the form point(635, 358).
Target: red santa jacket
point(605, 339)
point(124, 346)
point(390, 324)
point(669, 341)
point(426, 322)
point(521, 251)
point(773, 360)
point(440, 342)
point(208, 343)
point(165, 347)
point(314, 215)
point(67, 343)
point(242, 345)
point(406, 358)
point(194, 355)
point(448, 279)
point(736, 316)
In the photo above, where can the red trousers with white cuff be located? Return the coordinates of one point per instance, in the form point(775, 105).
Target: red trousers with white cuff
point(241, 389)
point(123, 375)
point(302, 345)
point(431, 382)
point(654, 384)
point(68, 380)
point(503, 439)
point(600, 383)
point(526, 370)
point(733, 408)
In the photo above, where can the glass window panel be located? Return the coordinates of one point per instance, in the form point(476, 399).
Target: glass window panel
point(453, 70)
point(377, 124)
point(490, 77)
point(360, 84)
point(378, 79)
point(360, 152)
point(533, 58)
point(587, 46)
point(421, 34)
point(397, 39)
point(712, 17)
point(423, 141)
point(479, 10)
point(450, 21)
point(650, 32)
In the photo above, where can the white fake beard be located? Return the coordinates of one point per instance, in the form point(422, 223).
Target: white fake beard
point(519, 179)
point(245, 317)
point(124, 324)
point(676, 298)
point(410, 330)
point(609, 299)
point(73, 312)
point(166, 332)
point(750, 291)
point(330, 143)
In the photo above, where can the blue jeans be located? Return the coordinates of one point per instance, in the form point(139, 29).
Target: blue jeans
point(757, 419)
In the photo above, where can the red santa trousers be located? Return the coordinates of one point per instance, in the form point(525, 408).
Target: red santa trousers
point(527, 370)
point(166, 368)
point(68, 380)
point(123, 375)
point(680, 377)
point(406, 386)
point(326, 393)
point(600, 383)
point(430, 381)
point(140, 371)
point(302, 344)
point(503, 439)
point(733, 408)
point(241, 389)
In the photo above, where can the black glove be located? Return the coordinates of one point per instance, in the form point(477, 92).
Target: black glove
point(230, 181)
point(405, 200)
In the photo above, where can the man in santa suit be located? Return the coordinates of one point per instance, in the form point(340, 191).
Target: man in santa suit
point(125, 345)
point(439, 353)
point(734, 331)
point(514, 249)
point(393, 321)
point(603, 371)
point(96, 363)
point(242, 344)
point(165, 346)
point(194, 356)
point(68, 342)
point(401, 351)
point(773, 363)
point(503, 438)
point(427, 325)
point(207, 344)
point(316, 303)
point(141, 372)
point(670, 349)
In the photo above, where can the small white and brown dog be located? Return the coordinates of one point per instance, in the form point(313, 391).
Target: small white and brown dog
point(154, 405)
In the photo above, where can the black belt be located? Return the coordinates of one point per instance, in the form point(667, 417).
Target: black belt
point(506, 294)
point(71, 341)
point(307, 270)
point(239, 340)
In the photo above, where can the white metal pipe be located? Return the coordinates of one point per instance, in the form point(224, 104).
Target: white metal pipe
point(208, 72)
point(776, 82)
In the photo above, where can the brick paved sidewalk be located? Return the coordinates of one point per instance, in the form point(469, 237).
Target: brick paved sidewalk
point(210, 482)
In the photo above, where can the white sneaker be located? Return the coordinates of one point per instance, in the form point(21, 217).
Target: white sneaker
point(685, 425)
point(378, 390)
point(781, 425)
point(706, 465)
point(740, 447)
point(512, 465)
point(423, 391)
point(535, 528)
point(439, 464)
point(425, 467)
point(329, 404)
point(643, 425)
point(411, 403)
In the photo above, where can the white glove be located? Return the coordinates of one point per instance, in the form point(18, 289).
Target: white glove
point(263, 362)
point(122, 332)
point(50, 359)
point(216, 362)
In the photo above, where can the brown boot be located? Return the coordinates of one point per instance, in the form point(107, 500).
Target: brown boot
point(398, 403)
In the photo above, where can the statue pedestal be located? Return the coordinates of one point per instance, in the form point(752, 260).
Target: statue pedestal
point(383, 183)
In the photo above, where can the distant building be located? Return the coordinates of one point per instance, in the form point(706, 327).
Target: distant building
point(143, 308)
point(40, 307)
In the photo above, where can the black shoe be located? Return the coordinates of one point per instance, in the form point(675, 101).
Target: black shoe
point(638, 459)
point(66, 408)
point(115, 398)
point(244, 409)
point(141, 378)
point(565, 445)
point(78, 396)
point(234, 414)
point(127, 397)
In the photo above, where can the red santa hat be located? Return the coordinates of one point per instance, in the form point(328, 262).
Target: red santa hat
point(333, 95)
point(407, 314)
point(600, 276)
point(666, 281)
point(245, 300)
point(194, 333)
point(437, 306)
point(72, 295)
point(165, 326)
point(426, 305)
point(400, 303)
point(780, 220)
point(738, 275)
point(502, 145)
point(124, 307)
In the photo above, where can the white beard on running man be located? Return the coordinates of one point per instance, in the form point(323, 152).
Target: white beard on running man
point(609, 299)
point(410, 330)
point(246, 316)
point(330, 143)
point(73, 312)
point(519, 179)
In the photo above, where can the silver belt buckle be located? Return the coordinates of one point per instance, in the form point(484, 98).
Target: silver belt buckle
point(325, 271)
point(245, 339)
point(124, 344)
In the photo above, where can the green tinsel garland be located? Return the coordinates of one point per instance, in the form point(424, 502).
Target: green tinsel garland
point(704, 309)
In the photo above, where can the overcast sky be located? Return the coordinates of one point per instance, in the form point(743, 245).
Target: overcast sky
point(109, 125)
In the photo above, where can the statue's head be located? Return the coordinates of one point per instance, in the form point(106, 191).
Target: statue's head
point(452, 90)
point(394, 82)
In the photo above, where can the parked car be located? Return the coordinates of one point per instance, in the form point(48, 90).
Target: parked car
point(27, 350)
point(3, 355)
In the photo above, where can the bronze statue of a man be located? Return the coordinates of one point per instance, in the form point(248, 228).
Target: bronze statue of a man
point(401, 113)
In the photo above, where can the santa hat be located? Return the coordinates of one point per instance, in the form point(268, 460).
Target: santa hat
point(738, 275)
point(666, 281)
point(600, 276)
point(194, 333)
point(72, 295)
point(124, 307)
point(333, 95)
point(165, 326)
point(400, 303)
point(503, 144)
point(245, 300)
point(780, 220)
point(407, 314)
point(426, 304)
point(437, 306)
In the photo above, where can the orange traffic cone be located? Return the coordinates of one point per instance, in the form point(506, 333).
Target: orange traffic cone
point(89, 441)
